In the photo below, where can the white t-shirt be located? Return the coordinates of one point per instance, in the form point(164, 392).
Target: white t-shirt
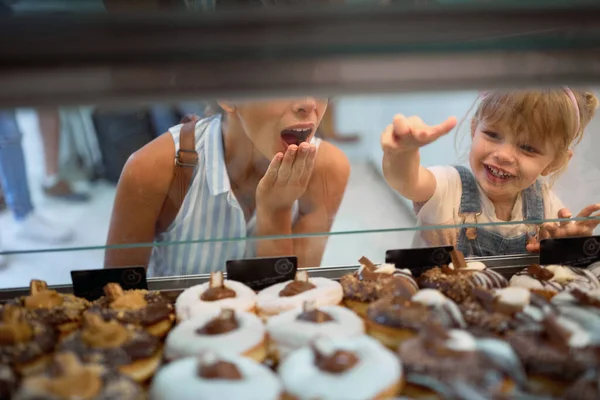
point(443, 209)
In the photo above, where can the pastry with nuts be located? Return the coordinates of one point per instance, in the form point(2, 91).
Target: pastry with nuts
point(355, 368)
point(440, 363)
point(293, 294)
point(393, 320)
point(62, 311)
point(214, 376)
point(371, 283)
point(297, 328)
point(457, 279)
point(26, 344)
point(129, 349)
point(69, 379)
point(214, 295)
point(146, 309)
point(226, 332)
point(549, 280)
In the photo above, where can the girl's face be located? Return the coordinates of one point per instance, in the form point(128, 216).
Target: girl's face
point(503, 163)
point(273, 125)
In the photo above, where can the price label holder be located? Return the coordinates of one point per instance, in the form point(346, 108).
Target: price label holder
point(419, 260)
point(89, 284)
point(573, 251)
point(262, 272)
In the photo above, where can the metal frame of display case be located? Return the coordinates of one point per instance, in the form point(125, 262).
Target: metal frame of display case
point(173, 285)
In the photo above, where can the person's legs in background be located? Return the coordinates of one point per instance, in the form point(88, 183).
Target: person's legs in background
point(13, 179)
point(53, 185)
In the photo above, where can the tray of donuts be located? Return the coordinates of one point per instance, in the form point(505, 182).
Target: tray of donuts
point(458, 331)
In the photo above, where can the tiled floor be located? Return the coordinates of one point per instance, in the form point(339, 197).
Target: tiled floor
point(368, 204)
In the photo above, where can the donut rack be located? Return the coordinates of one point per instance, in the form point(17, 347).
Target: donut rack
point(173, 285)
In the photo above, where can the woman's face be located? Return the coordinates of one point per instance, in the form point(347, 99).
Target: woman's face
point(273, 125)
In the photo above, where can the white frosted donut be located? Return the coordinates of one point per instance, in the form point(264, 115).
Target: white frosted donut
point(565, 277)
point(180, 380)
point(326, 293)
point(183, 341)
point(378, 369)
point(189, 304)
point(288, 333)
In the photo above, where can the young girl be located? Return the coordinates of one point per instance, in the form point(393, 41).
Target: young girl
point(518, 139)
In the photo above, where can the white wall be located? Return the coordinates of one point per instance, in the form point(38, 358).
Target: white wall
point(578, 187)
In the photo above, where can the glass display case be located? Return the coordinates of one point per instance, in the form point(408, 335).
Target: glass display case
point(181, 143)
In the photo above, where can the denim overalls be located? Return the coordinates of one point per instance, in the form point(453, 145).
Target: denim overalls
point(487, 242)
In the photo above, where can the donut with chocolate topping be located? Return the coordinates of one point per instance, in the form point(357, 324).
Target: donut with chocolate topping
point(69, 379)
point(25, 343)
point(146, 309)
point(457, 279)
point(371, 283)
point(215, 376)
point(395, 319)
point(296, 328)
point(212, 296)
point(292, 294)
point(225, 331)
point(62, 311)
point(439, 361)
point(552, 279)
point(129, 349)
point(355, 368)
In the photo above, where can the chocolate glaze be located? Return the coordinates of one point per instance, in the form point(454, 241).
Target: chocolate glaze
point(51, 307)
point(157, 310)
point(316, 316)
point(296, 287)
point(218, 326)
point(42, 343)
point(368, 291)
point(584, 299)
point(542, 276)
point(140, 345)
point(336, 363)
point(220, 370)
point(398, 313)
point(536, 271)
point(217, 293)
point(458, 286)
point(585, 388)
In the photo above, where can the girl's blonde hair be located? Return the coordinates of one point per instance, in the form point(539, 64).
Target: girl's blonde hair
point(546, 115)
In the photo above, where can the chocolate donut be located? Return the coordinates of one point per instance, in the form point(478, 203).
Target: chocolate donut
point(149, 310)
point(552, 279)
point(25, 343)
point(68, 379)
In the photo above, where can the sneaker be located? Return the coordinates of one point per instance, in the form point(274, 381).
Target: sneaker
point(63, 191)
point(36, 228)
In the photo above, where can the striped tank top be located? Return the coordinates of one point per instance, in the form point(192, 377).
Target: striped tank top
point(209, 211)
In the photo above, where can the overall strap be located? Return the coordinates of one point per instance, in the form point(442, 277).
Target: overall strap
point(533, 202)
point(186, 160)
point(470, 201)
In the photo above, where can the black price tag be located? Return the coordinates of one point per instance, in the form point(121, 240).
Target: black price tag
point(259, 273)
point(89, 284)
point(574, 251)
point(419, 260)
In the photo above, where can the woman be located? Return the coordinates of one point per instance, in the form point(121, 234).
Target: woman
point(259, 172)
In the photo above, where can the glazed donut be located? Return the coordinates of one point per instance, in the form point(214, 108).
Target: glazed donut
point(355, 368)
point(225, 331)
point(437, 360)
point(148, 310)
point(297, 328)
point(393, 320)
point(552, 279)
point(25, 344)
point(62, 311)
point(212, 296)
point(215, 377)
point(457, 279)
point(292, 294)
point(130, 349)
point(69, 379)
point(370, 283)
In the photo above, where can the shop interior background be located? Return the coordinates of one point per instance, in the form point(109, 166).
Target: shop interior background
point(368, 203)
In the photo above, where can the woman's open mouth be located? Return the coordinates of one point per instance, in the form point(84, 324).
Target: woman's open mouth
point(295, 135)
point(496, 174)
